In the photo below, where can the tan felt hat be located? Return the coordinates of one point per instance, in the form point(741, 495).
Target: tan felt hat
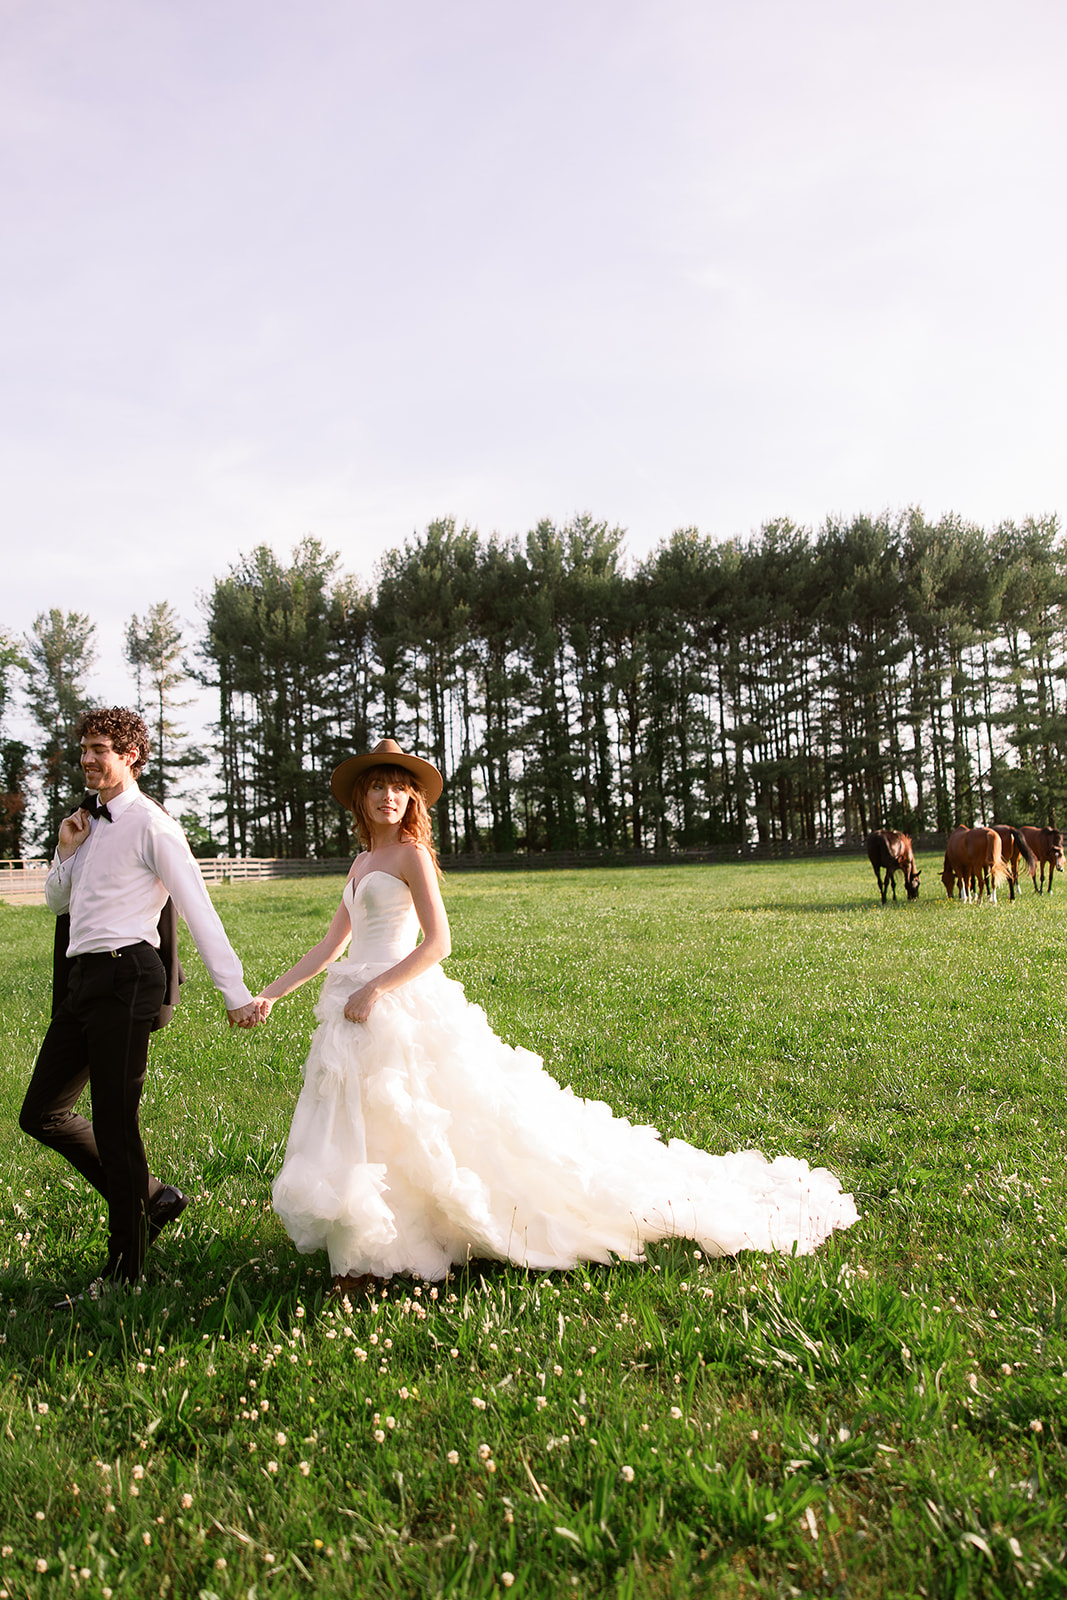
point(387, 753)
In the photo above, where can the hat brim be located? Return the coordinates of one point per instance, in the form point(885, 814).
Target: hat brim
point(343, 778)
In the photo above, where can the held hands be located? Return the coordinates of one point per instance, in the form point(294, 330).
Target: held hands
point(357, 1008)
point(258, 1010)
point(245, 1016)
point(73, 831)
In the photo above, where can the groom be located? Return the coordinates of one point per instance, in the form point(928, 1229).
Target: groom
point(120, 857)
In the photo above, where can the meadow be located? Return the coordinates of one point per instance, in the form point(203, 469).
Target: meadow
point(884, 1418)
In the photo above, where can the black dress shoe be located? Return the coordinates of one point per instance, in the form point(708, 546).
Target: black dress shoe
point(165, 1207)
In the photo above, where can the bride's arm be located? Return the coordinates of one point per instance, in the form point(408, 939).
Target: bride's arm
point(318, 957)
point(421, 878)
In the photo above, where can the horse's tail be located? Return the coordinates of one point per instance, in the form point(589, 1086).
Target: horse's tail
point(1024, 850)
point(998, 867)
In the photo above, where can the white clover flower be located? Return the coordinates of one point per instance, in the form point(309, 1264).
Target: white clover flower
point(627, 1474)
point(507, 1579)
point(138, 1471)
point(453, 1458)
point(272, 1466)
point(42, 1408)
point(558, 1370)
point(280, 1439)
point(1037, 1426)
point(490, 1465)
point(477, 1402)
point(379, 1435)
point(305, 1468)
point(484, 1452)
point(675, 1412)
point(42, 1564)
point(187, 1501)
point(540, 1402)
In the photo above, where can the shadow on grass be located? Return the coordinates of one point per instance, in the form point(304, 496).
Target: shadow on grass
point(231, 1289)
point(833, 908)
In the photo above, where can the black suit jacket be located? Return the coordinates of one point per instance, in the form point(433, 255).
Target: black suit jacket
point(168, 954)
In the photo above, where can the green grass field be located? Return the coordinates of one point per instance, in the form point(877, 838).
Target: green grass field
point(885, 1418)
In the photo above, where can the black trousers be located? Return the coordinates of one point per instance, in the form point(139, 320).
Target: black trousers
point(99, 1036)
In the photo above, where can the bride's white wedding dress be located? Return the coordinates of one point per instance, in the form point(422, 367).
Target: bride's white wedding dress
point(420, 1140)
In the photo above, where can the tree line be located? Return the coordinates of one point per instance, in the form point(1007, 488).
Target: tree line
point(792, 686)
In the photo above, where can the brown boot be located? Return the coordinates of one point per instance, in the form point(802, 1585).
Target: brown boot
point(361, 1287)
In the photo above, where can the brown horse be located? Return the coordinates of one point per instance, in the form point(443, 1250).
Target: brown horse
point(973, 858)
point(891, 852)
point(1014, 849)
point(1047, 845)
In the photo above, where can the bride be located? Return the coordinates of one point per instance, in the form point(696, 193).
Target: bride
point(420, 1140)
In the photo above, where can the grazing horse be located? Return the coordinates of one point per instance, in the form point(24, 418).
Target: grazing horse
point(1014, 849)
point(1047, 845)
point(891, 852)
point(973, 857)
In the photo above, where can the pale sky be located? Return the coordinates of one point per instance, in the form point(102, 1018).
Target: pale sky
point(343, 266)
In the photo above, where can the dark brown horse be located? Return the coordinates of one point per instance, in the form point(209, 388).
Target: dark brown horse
point(891, 853)
point(973, 861)
point(1047, 845)
point(1014, 849)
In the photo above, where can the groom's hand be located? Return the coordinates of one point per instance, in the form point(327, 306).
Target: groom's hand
point(73, 831)
point(244, 1016)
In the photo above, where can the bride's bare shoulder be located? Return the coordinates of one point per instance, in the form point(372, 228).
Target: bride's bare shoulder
point(412, 857)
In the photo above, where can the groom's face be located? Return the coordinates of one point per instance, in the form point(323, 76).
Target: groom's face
point(106, 769)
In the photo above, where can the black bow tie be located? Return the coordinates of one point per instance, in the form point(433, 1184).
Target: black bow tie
point(91, 803)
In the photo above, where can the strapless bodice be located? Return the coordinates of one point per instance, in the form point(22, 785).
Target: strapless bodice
point(384, 925)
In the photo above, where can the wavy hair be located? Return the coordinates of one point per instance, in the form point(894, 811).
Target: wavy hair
point(125, 729)
point(415, 825)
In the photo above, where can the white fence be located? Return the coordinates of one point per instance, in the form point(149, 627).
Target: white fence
point(23, 881)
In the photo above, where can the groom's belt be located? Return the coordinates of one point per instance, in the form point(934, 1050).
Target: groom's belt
point(112, 955)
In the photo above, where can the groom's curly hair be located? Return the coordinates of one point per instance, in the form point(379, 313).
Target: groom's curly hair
point(415, 827)
point(125, 729)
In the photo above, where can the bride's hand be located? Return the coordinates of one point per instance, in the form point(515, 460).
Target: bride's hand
point(358, 1005)
point(263, 1007)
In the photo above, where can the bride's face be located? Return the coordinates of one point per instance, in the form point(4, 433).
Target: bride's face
point(387, 801)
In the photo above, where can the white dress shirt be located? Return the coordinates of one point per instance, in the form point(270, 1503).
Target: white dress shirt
point(117, 882)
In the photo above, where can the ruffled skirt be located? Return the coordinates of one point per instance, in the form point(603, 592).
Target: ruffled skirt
point(420, 1140)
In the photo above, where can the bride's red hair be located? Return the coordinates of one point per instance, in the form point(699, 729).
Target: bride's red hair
point(415, 825)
